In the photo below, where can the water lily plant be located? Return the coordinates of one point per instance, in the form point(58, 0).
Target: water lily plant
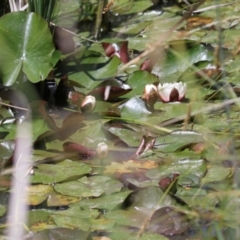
point(172, 92)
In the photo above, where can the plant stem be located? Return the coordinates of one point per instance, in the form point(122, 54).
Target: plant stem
point(99, 19)
point(161, 129)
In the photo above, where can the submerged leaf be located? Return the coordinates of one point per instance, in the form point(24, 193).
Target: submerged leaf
point(168, 221)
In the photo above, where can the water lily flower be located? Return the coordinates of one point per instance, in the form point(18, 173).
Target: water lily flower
point(150, 94)
point(119, 49)
point(172, 92)
point(88, 104)
point(102, 150)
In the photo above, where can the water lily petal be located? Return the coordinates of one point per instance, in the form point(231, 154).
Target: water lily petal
point(164, 91)
point(169, 92)
point(182, 89)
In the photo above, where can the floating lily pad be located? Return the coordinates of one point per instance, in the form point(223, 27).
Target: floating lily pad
point(46, 173)
point(89, 187)
point(3, 210)
point(38, 193)
point(57, 200)
point(216, 173)
point(75, 217)
point(106, 202)
point(25, 48)
point(183, 167)
point(135, 108)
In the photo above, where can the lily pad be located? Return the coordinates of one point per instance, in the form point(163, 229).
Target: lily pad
point(89, 187)
point(38, 193)
point(135, 108)
point(216, 173)
point(67, 169)
point(3, 210)
point(26, 45)
point(105, 202)
point(74, 217)
point(183, 167)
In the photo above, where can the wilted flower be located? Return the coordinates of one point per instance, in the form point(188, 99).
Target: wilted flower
point(75, 97)
point(119, 49)
point(150, 94)
point(102, 150)
point(88, 104)
point(172, 92)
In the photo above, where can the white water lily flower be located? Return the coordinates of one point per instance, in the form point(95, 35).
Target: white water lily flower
point(172, 92)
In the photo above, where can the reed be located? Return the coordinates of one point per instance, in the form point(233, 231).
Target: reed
point(45, 8)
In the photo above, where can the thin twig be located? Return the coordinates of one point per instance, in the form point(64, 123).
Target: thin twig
point(12, 106)
point(214, 7)
point(212, 108)
point(128, 120)
point(73, 33)
point(99, 18)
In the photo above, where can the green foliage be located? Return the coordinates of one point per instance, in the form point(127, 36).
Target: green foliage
point(171, 168)
point(24, 48)
point(44, 8)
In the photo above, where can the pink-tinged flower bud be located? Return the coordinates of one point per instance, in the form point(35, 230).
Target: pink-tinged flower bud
point(147, 65)
point(88, 104)
point(119, 49)
point(102, 150)
point(150, 94)
point(172, 92)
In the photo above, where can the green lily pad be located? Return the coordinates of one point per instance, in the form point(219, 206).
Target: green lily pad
point(38, 193)
point(59, 234)
point(47, 174)
point(105, 202)
point(131, 138)
point(216, 173)
point(179, 61)
point(89, 187)
point(138, 80)
point(55, 200)
point(89, 67)
point(38, 126)
point(129, 236)
point(183, 167)
point(37, 215)
point(26, 45)
point(149, 198)
point(74, 217)
point(3, 210)
point(135, 108)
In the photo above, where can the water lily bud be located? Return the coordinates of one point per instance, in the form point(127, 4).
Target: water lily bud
point(150, 94)
point(172, 92)
point(88, 104)
point(102, 150)
point(147, 65)
point(119, 49)
point(198, 147)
